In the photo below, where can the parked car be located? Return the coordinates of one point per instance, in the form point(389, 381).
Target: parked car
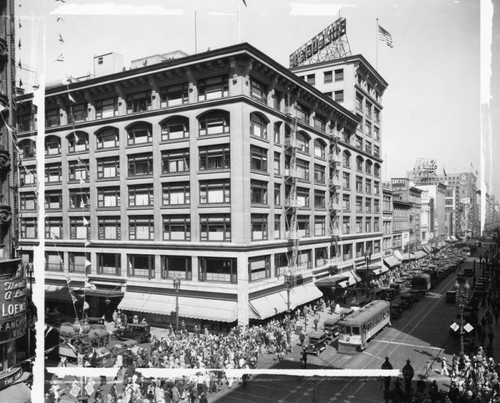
point(331, 327)
point(450, 296)
point(136, 331)
point(317, 343)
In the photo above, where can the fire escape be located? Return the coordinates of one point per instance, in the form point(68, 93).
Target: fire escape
point(291, 204)
point(334, 191)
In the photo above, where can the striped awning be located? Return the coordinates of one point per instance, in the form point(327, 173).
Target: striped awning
point(391, 261)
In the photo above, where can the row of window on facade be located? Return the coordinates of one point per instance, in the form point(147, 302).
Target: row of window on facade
point(218, 269)
point(329, 76)
point(213, 227)
point(217, 87)
point(215, 157)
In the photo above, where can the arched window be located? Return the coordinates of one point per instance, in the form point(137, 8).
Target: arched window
point(174, 128)
point(214, 122)
point(139, 133)
point(319, 149)
point(52, 145)
point(346, 159)
point(368, 167)
point(376, 170)
point(303, 142)
point(78, 141)
point(28, 148)
point(258, 125)
point(108, 137)
point(359, 164)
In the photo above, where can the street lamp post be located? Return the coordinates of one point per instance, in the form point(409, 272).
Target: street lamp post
point(177, 285)
point(288, 284)
point(29, 270)
point(462, 297)
point(368, 258)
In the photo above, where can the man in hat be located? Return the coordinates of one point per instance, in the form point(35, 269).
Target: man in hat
point(444, 367)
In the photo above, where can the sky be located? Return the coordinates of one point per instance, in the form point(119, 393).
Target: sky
point(431, 106)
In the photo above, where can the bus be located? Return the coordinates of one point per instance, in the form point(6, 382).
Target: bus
point(358, 328)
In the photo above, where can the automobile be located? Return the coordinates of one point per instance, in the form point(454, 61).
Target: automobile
point(140, 332)
point(317, 343)
point(406, 300)
point(395, 311)
point(331, 328)
point(96, 322)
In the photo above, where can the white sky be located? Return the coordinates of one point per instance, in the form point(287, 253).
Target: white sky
point(432, 104)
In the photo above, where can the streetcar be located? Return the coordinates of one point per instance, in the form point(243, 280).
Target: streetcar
point(356, 329)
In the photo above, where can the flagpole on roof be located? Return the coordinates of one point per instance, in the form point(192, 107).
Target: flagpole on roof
point(376, 39)
point(239, 25)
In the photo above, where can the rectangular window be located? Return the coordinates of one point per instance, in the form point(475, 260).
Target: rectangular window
point(359, 184)
point(368, 205)
point(215, 227)
point(368, 186)
point(258, 159)
point(138, 102)
point(108, 167)
point(106, 108)
point(305, 258)
point(376, 112)
point(277, 195)
point(258, 192)
point(319, 199)
point(218, 269)
point(53, 173)
point(176, 227)
point(346, 180)
point(319, 174)
point(319, 150)
point(277, 97)
point(140, 195)
point(368, 147)
point(359, 249)
point(302, 113)
point(215, 191)
point(302, 197)
point(376, 132)
point(258, 126)
point(346, 202)
point(259, 227)
point(311, 79)
point(141, 227)
point(368, 224)
point(140, 164)
point(212, 88)
point(52, 146)
point(141, 266)
point(368, 108)
point(53, 261)
point(277, 164)
point(79, 227)
point(109, 227)
point(339, 96)
point(376, 188)
point(376, 224)
point(77, 113)
point(53, 228)
point(339, 75)
point(108, 197)
point(175, 161)
point(52, 118)
point(27, 201)
point(259, 267)
point(376, 151)
point(174, 95)
point(78, 170)
point(303, 226)
point(280, 264)
point(359, 204)
point(175, 193)
point(346, 225)
point(109, 264)
point(176, 267)
point(359, 225)
point(215, 157)
point(359, 102)
point(321, 257)
point(277, 226)
point(53, 200)
point(258, 90)
point(328, 76)
point(359, 142)
point(303, 169)
point(319, 225)
point(347, 251)
point(29, 228)
point(79, 198)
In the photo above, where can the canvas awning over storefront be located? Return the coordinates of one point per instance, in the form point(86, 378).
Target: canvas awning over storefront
point(419, 254)
point(391, 261)
point(331, 281)
point(57, 293)
point(409, 256)
point(276, 303)
point(353, 279)
point(398, 254)
point(197, 308)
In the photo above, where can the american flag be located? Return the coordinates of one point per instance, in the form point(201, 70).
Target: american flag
point(385, 36)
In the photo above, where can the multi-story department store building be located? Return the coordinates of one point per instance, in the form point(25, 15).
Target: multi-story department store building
point(222, 169)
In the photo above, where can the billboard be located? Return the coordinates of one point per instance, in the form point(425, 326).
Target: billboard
point(319, 42)
point(13, 306)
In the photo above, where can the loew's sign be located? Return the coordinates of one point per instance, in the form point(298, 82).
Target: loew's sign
point(13, 306)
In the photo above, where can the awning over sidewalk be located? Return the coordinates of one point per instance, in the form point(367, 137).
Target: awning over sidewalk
point(197, 308)
point(419, 254)
point(398, 254)
point(331, 281)
point(273, 304)
point(391, 261)
point(57, 293)
point(353, 279)
point(409, 256)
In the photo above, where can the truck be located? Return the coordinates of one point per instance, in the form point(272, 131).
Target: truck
point(422, 282)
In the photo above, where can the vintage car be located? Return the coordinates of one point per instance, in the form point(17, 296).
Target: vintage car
point(140, 332)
